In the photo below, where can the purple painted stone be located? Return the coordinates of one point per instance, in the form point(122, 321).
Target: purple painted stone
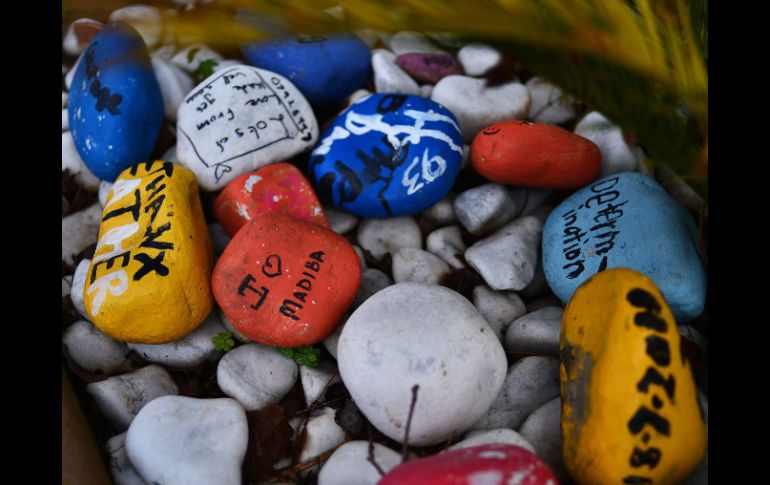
point(429, 68)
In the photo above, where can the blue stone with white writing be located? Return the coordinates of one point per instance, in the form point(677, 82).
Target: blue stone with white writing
point(388, 155)
point(115, 105)
point(326, 70)
point(626, 220)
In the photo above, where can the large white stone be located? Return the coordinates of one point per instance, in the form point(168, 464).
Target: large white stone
point(416, 334)
point(617, 155)
point(256, 375)
point(382, 236)
point(477, 105)
point(178, 440)
point(240, 119)
point(93, 349)
point(349, 464)
point(79, 230)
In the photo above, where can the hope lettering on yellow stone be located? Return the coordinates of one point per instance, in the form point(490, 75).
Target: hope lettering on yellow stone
point(630, 413)
point(149, 279)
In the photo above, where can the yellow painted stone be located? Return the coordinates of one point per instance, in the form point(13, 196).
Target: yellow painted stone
point(630, 412)
point(150, 278)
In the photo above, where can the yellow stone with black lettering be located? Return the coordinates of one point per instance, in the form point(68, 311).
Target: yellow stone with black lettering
point(149, 278)
point(630, 413)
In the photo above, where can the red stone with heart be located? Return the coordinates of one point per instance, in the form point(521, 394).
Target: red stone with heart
point(286, 282)
point(485, 464)
point(279, 187)
point(534, 155)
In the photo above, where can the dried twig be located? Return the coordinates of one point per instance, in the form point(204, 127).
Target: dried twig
point(370, 458)
point(405, 448)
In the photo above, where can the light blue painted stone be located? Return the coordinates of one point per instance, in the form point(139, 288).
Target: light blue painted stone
point(326, 70)
point(115, 105)
point(388, 155)
point(626, 221)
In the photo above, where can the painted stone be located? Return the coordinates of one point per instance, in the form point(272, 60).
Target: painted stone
point(115, 103)
point(286, 282)
point(240, 119)
point(325, 69)
point(630, 412)
point(388, 155)
point(534, 155)
point(148, 281)
point(626, 220)
point(429, 68)
point(485, 464)
point(279, 187)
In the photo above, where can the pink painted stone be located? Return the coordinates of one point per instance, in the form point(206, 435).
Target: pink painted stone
point(492, 464)
point(276, 188)
point(429, 68)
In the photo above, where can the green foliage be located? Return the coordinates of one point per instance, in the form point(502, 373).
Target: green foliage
point(204, 70)
point(305, 355)
point(223, 341)
point(191, 53)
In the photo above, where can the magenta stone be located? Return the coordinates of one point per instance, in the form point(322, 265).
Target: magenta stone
point(429, 68)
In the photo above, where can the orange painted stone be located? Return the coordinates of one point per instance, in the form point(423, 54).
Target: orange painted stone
point(286, 282)
point(279, 187)
point(534, 155)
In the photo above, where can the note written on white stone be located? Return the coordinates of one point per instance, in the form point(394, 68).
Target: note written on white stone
point(240, 119)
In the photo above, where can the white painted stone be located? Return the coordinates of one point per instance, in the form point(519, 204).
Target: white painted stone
point(389, 77)
point(447, 243)
point(349, 464)
point(416, 334)
point(121, 397)
point(323, 434)
point(407, 42)
point(219, 237)
point(412, 264)
point(145, 19)
point(477, 105)
point(492, 436)
point(174, 85)
point(617, 155)
point(65, 121)
point(93, 349)
point(531, 382)
point(79, 278)
point(485, 208)
point(372, 281)
point(188, 352)
point(442, 212)
point(177, 440)
point(317, 380)
point(536, 332)
point(70, 160)
point(543, 429)
point(507, 259)
point(79, 230)
point(201, 53)
point(240, 119)
point(478, 59)
point(121, 469)
point(256, 375)
point(341, 222)
point(73, 45)
point(499, 308)
point(549, 103)
point(104, 192)
point(382, 236)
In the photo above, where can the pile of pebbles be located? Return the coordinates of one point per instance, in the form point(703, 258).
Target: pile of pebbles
point(375, 196)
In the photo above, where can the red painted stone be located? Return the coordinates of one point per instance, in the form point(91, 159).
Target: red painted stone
point(493, 464)
point(535, 155)
point(429, 68)
point(286, 282)
point(279, 187)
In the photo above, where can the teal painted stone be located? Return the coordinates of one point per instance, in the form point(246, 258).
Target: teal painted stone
point(626, 221)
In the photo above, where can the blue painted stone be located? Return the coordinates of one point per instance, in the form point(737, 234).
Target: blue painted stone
point(326, 70)
point(388, 155)
point(626, 220)
point(115, 105)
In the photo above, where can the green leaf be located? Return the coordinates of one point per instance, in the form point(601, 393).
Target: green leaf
point(191, 53)
point(306, 355)
point(223, 341)
point(204, 70)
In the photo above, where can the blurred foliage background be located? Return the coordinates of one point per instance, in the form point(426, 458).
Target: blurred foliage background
point(642, 63)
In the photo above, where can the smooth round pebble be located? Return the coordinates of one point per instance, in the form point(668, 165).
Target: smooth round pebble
point(617, 155)
point(477, 58)
point(542, 428)
point(93, 350)
point(536, 332)
point(416, 334)
point(412, 264)
point(485, 208)
point(349, 464)
point(174, 85)
point(442, 212)
point(383, 236)
point(499, 308)
point(256, 375)
point(316, 380)
point(447, 243)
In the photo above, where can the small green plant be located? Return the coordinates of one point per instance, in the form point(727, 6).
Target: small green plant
point(223, 341)
point(305, 355)
point(204, 70)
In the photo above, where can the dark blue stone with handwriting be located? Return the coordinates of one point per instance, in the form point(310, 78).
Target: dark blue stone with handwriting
point(115, 105)
point(326, 70)
point(388, 155)
point(626, 221)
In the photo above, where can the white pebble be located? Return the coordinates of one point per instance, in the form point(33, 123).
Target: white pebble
point(499, 308)
point(174, 84)
point(407, 42)
point(317, 380)
point(442, 212)
point(617, 155)
point(447, 243)
point(323, 434)
point(70, 160)
point(79, 278)
point(78, 35)
point(79, 230)
point(412, 264)
point(485, 208)
point(382, 236)
point(93, 349)
point(536, 332)
point(549, 104)
point(121, 469)
point(478, 59)
point(389, 77)
point(145, 19)
point(341, 222)
point(349, 464)
point(492, 436)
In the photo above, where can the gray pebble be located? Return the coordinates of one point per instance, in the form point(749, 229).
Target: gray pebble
point(500, 435)
point(219, 237)
point(121, 469)
point(79, 230)
point(121, 397)
point(499, 308)
point(340, 222)
point(536, 332)
point(617, 155)
point(361, 256)
point(316, 380)
point(65, 121)
point(372, 281)
point(485, 208)
point(93, 349)
point(78, 287)
point(549, 103)
point(543, 429)
point(442, 212)
point(382, 236)
point(412, 264)
point(349, 464)
point(447, 243)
